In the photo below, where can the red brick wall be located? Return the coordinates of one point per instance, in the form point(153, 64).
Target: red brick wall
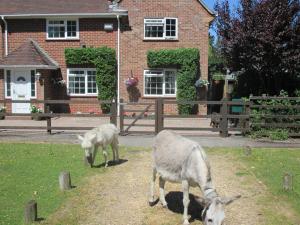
point(193, 25)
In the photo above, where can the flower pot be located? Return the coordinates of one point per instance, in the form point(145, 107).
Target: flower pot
point(37, 117)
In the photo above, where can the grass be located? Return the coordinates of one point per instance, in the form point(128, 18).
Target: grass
point(269, 165)
point(30, 171)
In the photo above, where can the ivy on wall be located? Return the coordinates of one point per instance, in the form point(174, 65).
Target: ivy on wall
point(187, 61)
point(104, 59)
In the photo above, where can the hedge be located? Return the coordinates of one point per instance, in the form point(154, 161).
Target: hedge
point(104, 59)
point(187, 61)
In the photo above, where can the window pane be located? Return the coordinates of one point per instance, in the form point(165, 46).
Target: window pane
point(32, 83)
point(8, 83)
point(71, 28)
point(170, 82)
point(153, 85)
point(170, 27)
point(76, 82)
point(154, 28)
point(91, 79)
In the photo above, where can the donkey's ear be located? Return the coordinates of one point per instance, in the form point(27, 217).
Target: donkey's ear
point(80, 137)
point(228, 200)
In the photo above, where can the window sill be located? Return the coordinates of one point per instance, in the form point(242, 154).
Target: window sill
point(161, 39)
point(155, 97)
point(83, 95)
point(62, 39)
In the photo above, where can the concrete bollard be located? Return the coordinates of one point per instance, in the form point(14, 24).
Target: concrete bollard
point(30, 213)
point(65, 181)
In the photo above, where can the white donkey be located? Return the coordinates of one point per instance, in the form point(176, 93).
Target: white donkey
point(103, 136)
point(180, 160)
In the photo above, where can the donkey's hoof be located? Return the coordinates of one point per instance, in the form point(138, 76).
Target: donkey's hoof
point(165, 205)
point(186, 222)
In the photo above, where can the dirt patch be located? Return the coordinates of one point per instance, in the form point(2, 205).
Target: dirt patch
point(119, 196)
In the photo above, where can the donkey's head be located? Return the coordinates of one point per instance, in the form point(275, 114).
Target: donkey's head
point(213, 213)
point(88, 144)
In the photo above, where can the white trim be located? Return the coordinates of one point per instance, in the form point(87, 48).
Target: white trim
point(175, 38)
point(163, 85)
point(85, 80)
point(28, 67)
point(35, 86)
point(66, 29)
point(82, 15)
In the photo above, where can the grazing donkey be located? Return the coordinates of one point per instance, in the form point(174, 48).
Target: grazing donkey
point(178, 159)
point(103, 136)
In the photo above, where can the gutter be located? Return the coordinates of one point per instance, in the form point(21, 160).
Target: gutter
point(118, 65)
point(6, 36)
point(85, 15)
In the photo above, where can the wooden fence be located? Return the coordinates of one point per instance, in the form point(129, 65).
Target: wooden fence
point(160, 115)
point(47, 115)
point(152, 115)
point(276, 112)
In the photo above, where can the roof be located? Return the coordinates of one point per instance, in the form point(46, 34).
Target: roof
point(29, 54)
point(212, 12)
point(42, 7)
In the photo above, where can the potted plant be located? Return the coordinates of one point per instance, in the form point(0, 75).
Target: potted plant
point(2, 112)
point(218, 77)
point(201, 83)
point(36, 113)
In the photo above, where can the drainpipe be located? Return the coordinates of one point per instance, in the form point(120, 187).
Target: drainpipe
point(6, 36)
point(118, 64)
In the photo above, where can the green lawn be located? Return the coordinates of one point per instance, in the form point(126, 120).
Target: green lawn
point(269, 165)
point(30, 171)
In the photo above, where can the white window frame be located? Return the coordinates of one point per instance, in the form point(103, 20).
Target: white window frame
point(85, 80)
point(35, 86)
point(66, 29)
point(164, 31)
point(163, 71)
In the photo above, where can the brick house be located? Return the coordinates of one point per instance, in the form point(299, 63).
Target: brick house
point(35, 34)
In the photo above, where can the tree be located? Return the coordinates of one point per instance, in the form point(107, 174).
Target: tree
point(261, 38)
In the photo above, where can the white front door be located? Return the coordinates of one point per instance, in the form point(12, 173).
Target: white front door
point(21, 90)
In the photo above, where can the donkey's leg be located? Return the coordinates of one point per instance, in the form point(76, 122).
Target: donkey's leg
point(113, 151)
point(105, 155)
point(152, 182)
point(162, 192)
point(186, 201)
point(115, 148)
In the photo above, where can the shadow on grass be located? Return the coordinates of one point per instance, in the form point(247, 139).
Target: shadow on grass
point(174, 200)
point(111, 163)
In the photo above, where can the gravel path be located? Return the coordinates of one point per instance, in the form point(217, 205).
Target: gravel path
point(119, 196)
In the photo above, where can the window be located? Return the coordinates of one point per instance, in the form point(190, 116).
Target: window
point(165, 28)
point(8, 84)
point(160, 82)
point(32, 83)
point(82, 82)
point(62, 29)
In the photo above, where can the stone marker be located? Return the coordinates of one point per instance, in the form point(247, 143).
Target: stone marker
point(287, 182)
point(30, 213)
point(64, 181)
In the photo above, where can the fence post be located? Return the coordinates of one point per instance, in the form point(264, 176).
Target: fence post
point(246, 125)
point(224, 119)
point(159, 119)
point(48, 118)
point(113, 112)
point(121, 115)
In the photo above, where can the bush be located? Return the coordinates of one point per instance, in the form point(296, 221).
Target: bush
point(104, 59)
point(187, 61)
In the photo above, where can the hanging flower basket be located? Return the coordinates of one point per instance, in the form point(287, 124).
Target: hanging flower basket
point(201, 83)
point(2, 112)
point(131, 81)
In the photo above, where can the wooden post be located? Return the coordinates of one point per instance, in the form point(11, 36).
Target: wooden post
point(246, 124)
point(121, 115)
point(159, 112)
point(48, 120)
point(247, 150)
point(224, 119)
point(30, 213)
point(287, 182)
point(113, 112)
point(64, 181)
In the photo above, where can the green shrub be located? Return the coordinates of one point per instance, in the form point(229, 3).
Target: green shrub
point(104, 59)
point(187, 62)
